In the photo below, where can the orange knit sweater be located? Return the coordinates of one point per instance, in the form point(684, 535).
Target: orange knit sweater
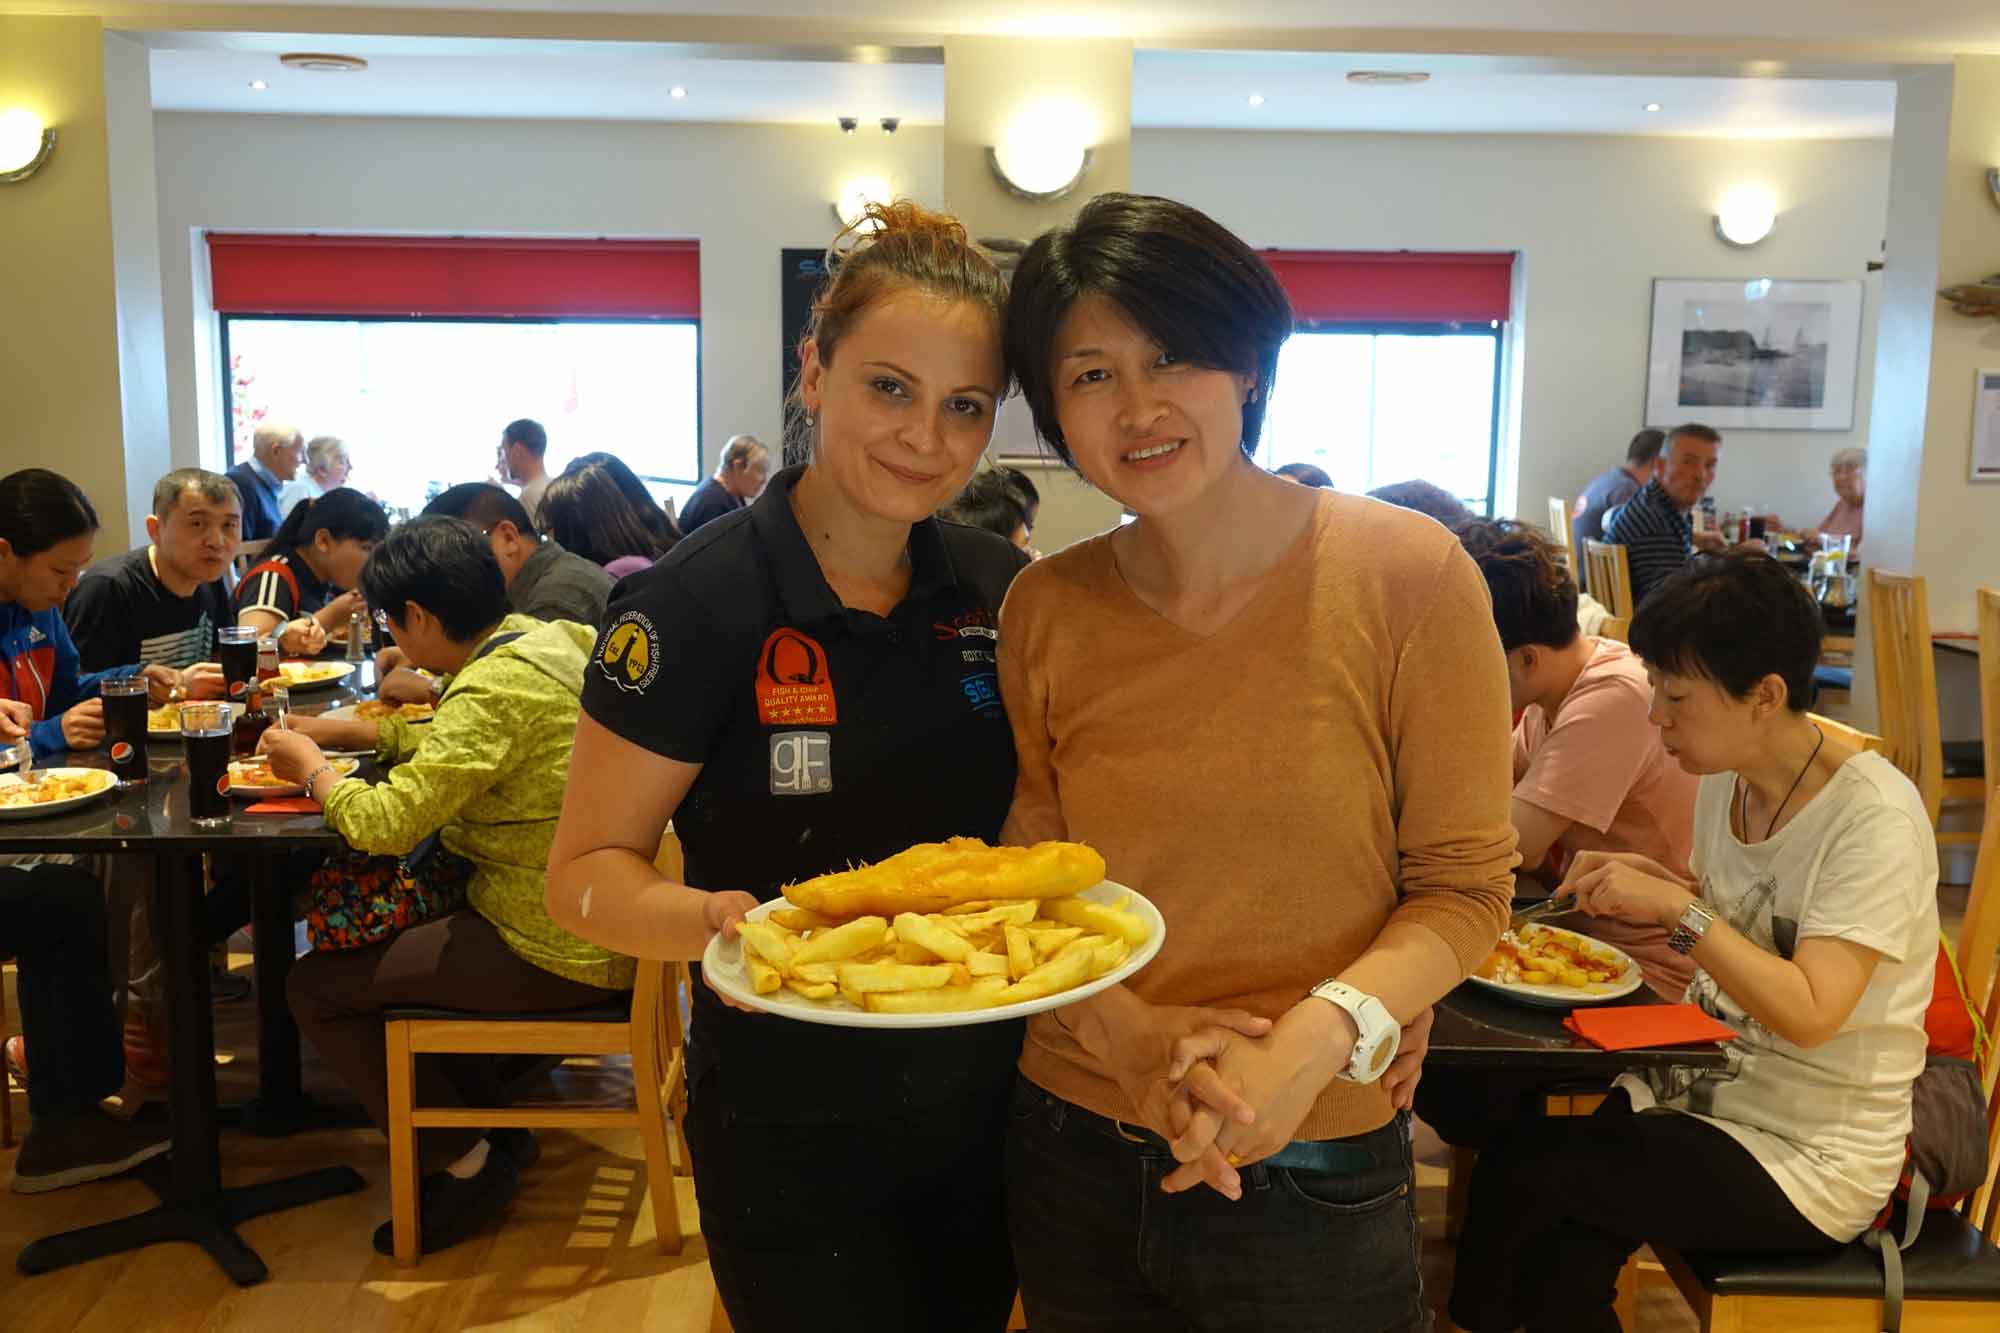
point(1335, 757)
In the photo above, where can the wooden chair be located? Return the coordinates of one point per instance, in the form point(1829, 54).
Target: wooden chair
point(1564, 535)
point(648, 1029)
point(1951, 1275)
point(1906, 700)
point(247, 554)
point(1616, 627)
point(1989, 686)
point(6, 1075)
point(1609, 575)
point(1837, 730)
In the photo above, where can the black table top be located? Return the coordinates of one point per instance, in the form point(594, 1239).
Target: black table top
point(1477, 1029)
point(153, 816)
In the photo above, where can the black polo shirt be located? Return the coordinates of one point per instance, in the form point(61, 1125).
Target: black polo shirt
point(827, 737)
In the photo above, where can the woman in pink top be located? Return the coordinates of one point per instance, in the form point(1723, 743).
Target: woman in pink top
point(1850, 483)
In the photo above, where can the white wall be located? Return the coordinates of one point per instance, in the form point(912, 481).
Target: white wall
point(744, 191)
point(1595, 219)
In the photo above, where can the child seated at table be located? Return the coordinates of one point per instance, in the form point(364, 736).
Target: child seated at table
point(1811, 916)
point(485, 776)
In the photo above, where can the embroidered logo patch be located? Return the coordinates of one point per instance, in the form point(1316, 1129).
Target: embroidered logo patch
point(801, 763)
point(982, 691)
point(629, 656)
point(793, 684)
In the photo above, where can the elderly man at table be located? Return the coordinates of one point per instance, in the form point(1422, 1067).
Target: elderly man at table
point(1850, 488)
point(543, 580)
point(486, 776)
point(275, 451)
point(1614, 486)
point(740, 475)
point(1653, 526)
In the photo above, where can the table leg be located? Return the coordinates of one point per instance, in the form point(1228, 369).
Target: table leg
point(194, 1205)
point(281, 1106)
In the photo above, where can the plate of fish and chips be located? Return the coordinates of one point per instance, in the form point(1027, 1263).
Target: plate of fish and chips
point(51, 791)
point(1552, 968)
point(941, 935)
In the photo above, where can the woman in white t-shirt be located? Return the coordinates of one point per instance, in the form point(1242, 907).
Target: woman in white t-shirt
point(1813, 924)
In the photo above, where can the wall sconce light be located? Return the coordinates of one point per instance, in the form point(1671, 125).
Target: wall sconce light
point(1043, 155)
point(857, 194)
point(1746, 217)
point(25, 143)
point(1993, 184)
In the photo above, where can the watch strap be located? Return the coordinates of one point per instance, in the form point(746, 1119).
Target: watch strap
point(1690, 929)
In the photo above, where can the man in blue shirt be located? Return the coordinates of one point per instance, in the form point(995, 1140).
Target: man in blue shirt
point(739, 478)
point(274, 460)
point(1653, 526)
point(1614, 486)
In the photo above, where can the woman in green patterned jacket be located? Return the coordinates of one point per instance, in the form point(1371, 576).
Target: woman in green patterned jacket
point(486, 777)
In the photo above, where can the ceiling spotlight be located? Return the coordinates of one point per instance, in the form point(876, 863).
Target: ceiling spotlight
point(890, 124)
point(1654, 106)
point(678, 93)
point(1388, 78)
point(258, 85)
point(847, 124)
point(320, 62)
point(1256, 99)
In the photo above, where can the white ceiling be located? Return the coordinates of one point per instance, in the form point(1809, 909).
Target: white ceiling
point(1962, 25)
point(1179, 89)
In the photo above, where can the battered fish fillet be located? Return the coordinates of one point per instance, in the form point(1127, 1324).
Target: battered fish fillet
point(933, 876)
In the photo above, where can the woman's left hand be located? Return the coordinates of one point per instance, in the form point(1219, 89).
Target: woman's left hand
point(293, 754)
point(1624, 892)
point(1280, 1076)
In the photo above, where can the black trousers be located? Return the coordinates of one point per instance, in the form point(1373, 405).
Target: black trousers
point(1559, 1205)
point(885, 1226)
point(52, 924)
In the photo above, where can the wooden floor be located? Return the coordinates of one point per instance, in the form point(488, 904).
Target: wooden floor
point(576, 1252)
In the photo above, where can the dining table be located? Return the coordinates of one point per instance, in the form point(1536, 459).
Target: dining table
point(1477, 1028)
point(150, 818)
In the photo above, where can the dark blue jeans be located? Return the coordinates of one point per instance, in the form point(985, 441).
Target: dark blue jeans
point(52, 924)
point(1101, 1248)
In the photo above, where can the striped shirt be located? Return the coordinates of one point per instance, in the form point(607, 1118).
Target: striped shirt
point(265, 589)
point(1658, 538)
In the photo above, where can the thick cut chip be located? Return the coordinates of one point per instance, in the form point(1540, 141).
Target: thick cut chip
point(934, 876)
point(821, 990)
point(931, 937)
point(866, 977)
point(764, 978)
point(1096, 917)
point(767, 942)
point(987, 965)
point(983, 993)
point(856, 937)
point(1069, 968)
point(1020, 953)
point(1048, 943)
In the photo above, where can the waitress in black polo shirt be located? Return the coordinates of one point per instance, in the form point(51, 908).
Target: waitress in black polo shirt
point(800, 687)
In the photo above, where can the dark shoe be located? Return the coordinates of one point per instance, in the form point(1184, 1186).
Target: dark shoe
point(518, 1144)
point(452, 1210)
point(64, 1150)
point(225, 986)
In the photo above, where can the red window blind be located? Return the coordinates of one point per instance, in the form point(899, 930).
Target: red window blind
point(422, 275)
point(1395, 286)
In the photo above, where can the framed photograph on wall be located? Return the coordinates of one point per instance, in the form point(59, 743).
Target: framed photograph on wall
point(1754, 354)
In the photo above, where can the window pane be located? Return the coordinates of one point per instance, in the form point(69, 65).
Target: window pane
point(421, 403)
point(1372, 409)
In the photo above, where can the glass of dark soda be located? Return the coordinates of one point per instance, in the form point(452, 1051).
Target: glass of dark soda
point(125, 727)
point(205, 729)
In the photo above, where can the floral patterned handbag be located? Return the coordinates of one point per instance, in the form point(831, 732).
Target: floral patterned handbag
point(355, 899)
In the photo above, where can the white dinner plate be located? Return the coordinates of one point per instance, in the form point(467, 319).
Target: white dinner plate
point(173, 733)
point(351, 713)
point(63, 806)
point(1569, 997)
point(337, 672)
point(245, 792)
point(722, 964)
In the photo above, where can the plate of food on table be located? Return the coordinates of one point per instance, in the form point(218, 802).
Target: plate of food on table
point(51, 791)
point(941, 935)
point(1553, 968)
point(301, 675)
point(375, 710)
point(164, 722)
point(253, 780)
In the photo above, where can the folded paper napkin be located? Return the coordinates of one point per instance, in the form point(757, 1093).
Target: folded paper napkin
point(283, 805)
point(1628, 1027)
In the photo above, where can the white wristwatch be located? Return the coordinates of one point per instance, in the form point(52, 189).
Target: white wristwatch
point(1380, 1032)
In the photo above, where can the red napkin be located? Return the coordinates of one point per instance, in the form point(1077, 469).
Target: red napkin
point(283, 805)
point(1628, 1027)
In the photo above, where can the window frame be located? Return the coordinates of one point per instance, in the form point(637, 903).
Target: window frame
point(1495, 329)
point(226, 402)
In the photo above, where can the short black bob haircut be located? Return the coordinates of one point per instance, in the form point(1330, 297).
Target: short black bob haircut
point(482, 504)
point(1534, 597)
point(1733, 619)
point(1185, 280)
point(445, 566)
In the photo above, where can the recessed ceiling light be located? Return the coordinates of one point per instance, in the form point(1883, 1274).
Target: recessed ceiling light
point(258, 85)
point(1654, 106)
point(677, 92)
point(1256, 99)
point(1388, 77)
point(321, 62)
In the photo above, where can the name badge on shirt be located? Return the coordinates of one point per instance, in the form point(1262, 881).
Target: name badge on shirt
point(801, 763)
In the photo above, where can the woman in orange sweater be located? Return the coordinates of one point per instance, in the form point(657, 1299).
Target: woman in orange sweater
point(1281, 714)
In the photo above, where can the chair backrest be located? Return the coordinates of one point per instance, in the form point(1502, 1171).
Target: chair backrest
point(1866, 740)
point(1978, 943)
point(1609, 575)
point(1989, 685)
point(247, 554)
point(1564, 535)
point(1616, 627)
point(1906, 700)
